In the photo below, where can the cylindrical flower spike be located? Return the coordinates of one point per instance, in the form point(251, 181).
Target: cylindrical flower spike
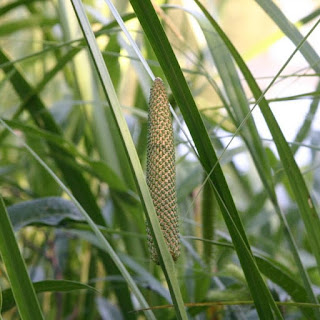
point(161, 174)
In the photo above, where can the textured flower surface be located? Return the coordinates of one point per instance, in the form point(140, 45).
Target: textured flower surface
point(161, 175)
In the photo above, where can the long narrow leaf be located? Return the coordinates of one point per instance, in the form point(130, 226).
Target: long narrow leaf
point(166, 260)
point(268, 187)
point(22, 289)
point(157, 38)
point(305, 203)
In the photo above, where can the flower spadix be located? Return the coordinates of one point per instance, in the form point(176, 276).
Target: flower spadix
point(161, 174)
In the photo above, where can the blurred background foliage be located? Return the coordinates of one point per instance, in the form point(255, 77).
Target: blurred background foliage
point(52, 98)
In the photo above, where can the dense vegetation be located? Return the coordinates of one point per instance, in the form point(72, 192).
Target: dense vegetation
point(74, 84)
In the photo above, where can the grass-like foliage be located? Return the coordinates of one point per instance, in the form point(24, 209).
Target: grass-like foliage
point(78, 212)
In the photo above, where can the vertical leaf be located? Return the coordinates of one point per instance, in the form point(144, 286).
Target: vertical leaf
point(144, 10)
point(165, 260)
point(21, 285)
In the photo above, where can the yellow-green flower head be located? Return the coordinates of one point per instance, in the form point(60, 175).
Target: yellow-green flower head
point(161, 175)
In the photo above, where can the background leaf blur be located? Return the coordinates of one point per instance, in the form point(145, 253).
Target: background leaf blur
point(243, 83)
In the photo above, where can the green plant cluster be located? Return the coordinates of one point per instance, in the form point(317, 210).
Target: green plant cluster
point(88, 156)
